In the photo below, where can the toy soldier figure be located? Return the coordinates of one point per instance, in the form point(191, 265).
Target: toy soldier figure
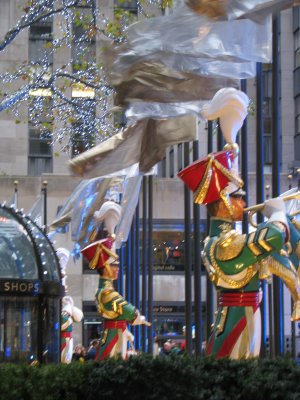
point(69, 313)
point(114, 309)
point(236, 262)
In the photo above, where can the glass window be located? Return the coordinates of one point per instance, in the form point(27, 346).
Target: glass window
point(39, 165)
point(297, 82)
point(92, 328)
point(297, 124)
point(169, 246)
point(39, 143)
point(268, 148)
point(168, 251)
point(180, 148)
point(40, 127)
point(40, 39)
point(267, 80)
point(18, 259)
point(171, 160)
point(165, 326)
point(169, 321)
point(93, 323)
point(296, 18)
point(297, 40)
point(83, 45)
point(128, 5)
point(297, 105)
point(18, 329)
point(51, 324)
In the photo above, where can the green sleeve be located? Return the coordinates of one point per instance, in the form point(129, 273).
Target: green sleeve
point(236, 256)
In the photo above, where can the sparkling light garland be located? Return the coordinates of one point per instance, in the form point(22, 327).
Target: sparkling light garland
point(71, 103)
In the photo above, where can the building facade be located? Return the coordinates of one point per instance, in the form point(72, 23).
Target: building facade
point(30, 159)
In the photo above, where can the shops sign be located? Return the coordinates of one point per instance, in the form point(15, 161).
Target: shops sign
point(19, 286)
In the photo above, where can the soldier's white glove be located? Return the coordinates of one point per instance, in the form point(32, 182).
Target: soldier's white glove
point(274, 210)
point(140, 320)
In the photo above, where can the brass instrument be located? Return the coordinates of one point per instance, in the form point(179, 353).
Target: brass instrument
point(258, 207)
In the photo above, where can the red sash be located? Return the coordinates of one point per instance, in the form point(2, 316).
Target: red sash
point(66, 334)
point(239, 299)
point(115, 325)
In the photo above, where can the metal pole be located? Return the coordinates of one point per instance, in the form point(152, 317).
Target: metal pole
point(144, 263)
point(197, 270)
point(269, 288)
point(293, 330)
point(44, 191)
point(120, 286)
point(276, 156)
point(133, 268)
point(150, 264)
point(137, 271)
point(260, 196)
point(188, 257)
point(209, 284)
point(16, 183)
point(128, 269)
point(220, 138)
point(244, 158)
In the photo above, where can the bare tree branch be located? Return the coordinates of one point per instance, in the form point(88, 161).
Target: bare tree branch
point(35, 15)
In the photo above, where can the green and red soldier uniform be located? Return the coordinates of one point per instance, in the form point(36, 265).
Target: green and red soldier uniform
point(236, 263)
point(115, 310)
point(66, 336)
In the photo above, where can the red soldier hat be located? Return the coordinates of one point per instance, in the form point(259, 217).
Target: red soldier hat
point(100, 253)
point(209, 177)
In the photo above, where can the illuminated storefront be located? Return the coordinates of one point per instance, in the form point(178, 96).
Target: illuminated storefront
point(30, 291)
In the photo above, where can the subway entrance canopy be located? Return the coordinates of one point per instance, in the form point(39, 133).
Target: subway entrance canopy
point(30, 291)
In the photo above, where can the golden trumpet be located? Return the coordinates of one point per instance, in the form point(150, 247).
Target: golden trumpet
point(257, 207)
point(260, 206)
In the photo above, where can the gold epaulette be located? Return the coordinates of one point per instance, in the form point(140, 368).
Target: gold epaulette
point(258, 243)
point(230, 245)
point(108, 295)
point(118, 305)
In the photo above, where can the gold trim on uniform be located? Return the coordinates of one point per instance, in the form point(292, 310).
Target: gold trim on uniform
point(264, 271)
point(109, 296)
point(104, 336)
point(252, 246)
point(230, 246)
point(289, 276)
point(202, 188)
point(102, 299)
point(94, 261)
point(118, 305)
point(261, 240)
point(233, 281)
point(222, 320)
